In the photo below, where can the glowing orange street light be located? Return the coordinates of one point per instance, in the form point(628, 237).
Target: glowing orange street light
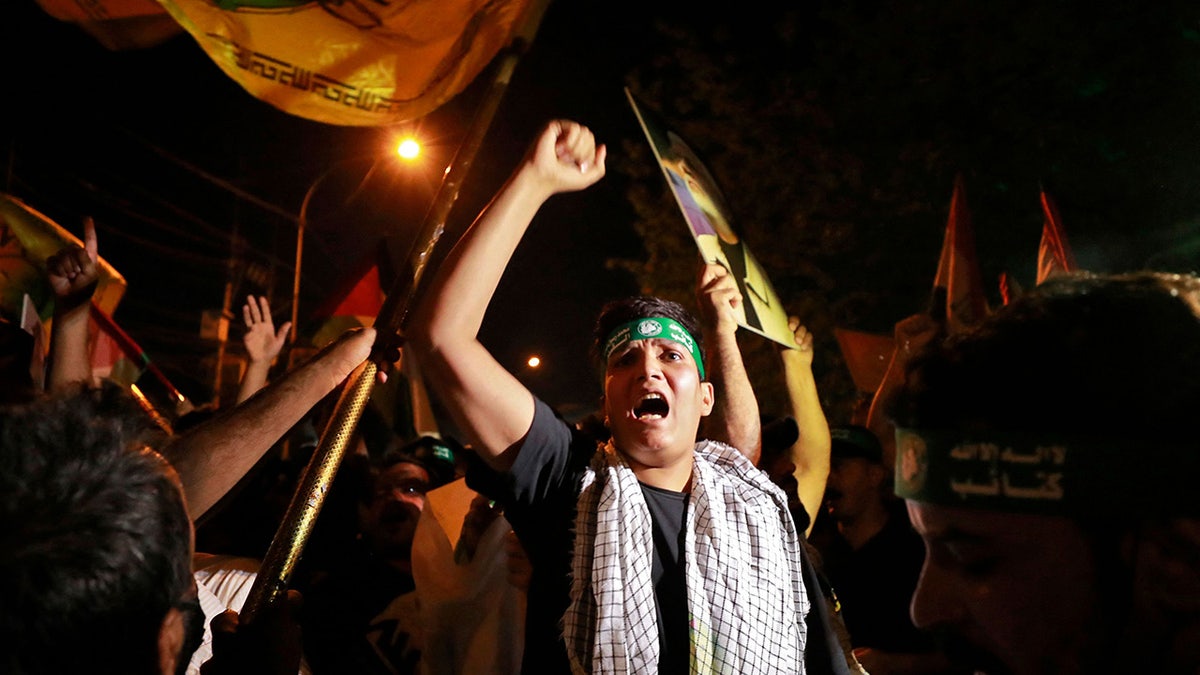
point(533, 362)
point(409, 148)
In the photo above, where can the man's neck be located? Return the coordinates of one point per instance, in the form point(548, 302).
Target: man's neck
point(676, 477)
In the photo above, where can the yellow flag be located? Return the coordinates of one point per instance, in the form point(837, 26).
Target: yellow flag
point(27, 239)
point(351, 62)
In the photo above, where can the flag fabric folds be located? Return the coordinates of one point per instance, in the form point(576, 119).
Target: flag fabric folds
point(344, 62)
point(867, 356)
point(958, 295)
point(1010, 288)
point(118, 25)
point(358, 307)
point(1054, 255)
point(27, 239)
point(353, 63)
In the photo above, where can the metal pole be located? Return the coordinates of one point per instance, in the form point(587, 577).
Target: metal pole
point(288, 543)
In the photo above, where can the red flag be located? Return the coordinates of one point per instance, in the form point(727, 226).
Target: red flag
point(867, 356)
point(1009, 288)
point(958, 287)
point(358, 307)
point(1054, 255)
point(365, 299)
point(125, 348)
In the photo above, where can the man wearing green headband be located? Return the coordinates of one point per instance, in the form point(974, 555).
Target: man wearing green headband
point(652, 552)
point(1048, 457)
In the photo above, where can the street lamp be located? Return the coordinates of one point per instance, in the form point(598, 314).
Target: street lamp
point(302, 223)
point(407, 147)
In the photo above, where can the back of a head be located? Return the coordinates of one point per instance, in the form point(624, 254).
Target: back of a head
point(95, 546)
point(1108, 362)
point(1115, 355)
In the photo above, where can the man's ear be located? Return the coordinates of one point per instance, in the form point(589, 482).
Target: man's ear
point(708, 398)
point(170, 641)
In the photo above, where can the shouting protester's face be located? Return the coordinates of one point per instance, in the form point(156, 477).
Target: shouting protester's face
point(1008, 593)
point(654, 399)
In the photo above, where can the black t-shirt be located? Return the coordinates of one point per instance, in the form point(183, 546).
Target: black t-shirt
point(539, 495)
point(875, 585)
point(667, 509)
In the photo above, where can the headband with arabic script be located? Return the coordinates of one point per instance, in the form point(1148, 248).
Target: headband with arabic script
point(653, 327)
point(1023, 474)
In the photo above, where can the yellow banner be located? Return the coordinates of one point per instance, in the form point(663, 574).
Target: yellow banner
point(351, 62)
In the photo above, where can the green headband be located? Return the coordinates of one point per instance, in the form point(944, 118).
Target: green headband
point(653, 327)
point(1020, 474)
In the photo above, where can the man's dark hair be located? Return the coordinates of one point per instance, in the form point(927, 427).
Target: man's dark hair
point(95, 543)
point(620, 312)
point(1112, 357)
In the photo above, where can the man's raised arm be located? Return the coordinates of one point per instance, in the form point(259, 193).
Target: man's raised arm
point(213, 456)
point(73, 273)
point(811, 451)
point(491, 407)
point(735, 419)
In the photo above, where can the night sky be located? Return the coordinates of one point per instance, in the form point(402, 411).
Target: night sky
point(1099, 103)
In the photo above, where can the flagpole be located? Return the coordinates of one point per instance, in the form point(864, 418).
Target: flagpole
point(133, 349)
point(284, 552)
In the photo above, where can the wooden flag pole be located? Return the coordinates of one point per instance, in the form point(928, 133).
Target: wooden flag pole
point(285, 549)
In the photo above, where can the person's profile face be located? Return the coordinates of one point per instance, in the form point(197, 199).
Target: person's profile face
point(1007, 593)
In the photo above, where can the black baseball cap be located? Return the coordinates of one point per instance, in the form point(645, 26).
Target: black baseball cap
point(853, 440)
point(779, 434)
point(437, 455)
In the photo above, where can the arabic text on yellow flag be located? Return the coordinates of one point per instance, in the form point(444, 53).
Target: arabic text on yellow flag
point(351, 62)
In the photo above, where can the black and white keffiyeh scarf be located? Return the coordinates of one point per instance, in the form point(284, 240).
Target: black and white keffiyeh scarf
point(746, 596)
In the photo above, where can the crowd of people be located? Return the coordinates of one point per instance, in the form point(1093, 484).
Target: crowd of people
point(1017, 502)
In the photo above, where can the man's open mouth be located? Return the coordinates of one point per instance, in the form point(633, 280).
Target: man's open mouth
point(652, 406)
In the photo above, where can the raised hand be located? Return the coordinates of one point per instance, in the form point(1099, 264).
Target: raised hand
point(73, 272)
point(804, 342)
point(719, 299)
point(566, 157)
point(263, 343)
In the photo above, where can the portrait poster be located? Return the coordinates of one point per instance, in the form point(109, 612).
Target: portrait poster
point(707, 215)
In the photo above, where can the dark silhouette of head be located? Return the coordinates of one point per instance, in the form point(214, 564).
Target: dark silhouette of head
point(95, 550)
